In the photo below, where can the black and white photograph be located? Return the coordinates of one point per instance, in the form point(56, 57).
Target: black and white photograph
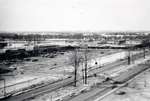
point(74, 50)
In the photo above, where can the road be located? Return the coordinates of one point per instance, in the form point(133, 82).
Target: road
point(101, 91)
point(116, 64)
point(129, 78)
point(54, 86)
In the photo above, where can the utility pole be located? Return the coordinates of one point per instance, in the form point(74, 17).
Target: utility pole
point(34, 52)
point(83, 74)
point(129, 57)
point(82, 70)
point(75, 68)
point(129, 52)
point(144, 52)
point(85, 66)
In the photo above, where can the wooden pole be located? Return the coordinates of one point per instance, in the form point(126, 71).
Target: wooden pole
point(75, 67)
point(86, 66)
point(144, 52)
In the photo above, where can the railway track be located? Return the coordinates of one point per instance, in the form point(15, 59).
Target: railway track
point(118, 63)
point(108, 87)
point(122, 84)
point(52, 87)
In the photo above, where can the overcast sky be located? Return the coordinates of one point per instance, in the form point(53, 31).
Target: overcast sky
point(74, 15)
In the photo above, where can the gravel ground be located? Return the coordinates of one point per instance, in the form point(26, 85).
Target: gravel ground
point(44, 70)
point(68, 90)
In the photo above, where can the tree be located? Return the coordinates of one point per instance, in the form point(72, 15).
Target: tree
point(78, 57)
point(75, 60)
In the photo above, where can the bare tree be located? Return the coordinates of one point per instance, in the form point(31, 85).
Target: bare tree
point(79, 58)
point(75, 60)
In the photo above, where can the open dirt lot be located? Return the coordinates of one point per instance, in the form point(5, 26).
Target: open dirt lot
point(43, 69)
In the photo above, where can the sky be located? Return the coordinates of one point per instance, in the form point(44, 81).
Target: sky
point(74, 15)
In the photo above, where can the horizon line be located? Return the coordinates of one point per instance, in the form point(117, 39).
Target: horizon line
point(78, 31)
